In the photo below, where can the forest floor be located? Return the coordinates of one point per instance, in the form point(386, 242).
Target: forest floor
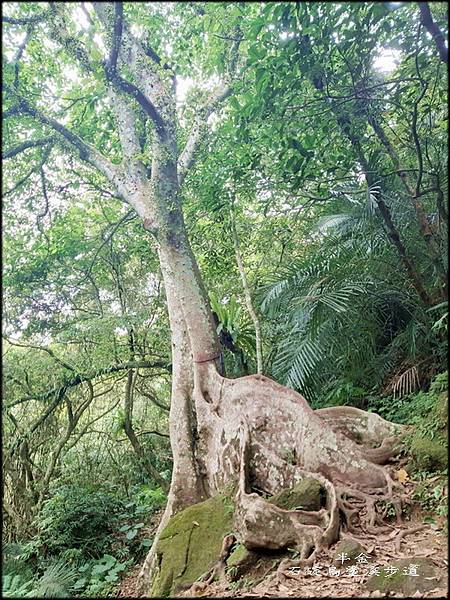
point(429, 545)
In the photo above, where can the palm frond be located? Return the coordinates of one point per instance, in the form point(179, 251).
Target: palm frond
point(406, 383)
point(56, 582)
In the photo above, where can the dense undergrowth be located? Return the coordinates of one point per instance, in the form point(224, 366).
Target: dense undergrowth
point(88, 536)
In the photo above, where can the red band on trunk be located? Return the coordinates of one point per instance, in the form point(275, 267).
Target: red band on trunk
point(202, 358)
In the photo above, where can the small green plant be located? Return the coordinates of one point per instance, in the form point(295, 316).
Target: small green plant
point(232, 571)
point(98, 577)
point(131, 531)
point(13, 586)
point(56, 582)
point(293, 552)
point(441, 324)
point(432, 497)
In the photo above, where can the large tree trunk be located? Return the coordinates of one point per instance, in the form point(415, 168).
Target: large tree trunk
point(251, 432)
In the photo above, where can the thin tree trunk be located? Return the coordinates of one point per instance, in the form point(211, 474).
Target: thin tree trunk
point(427, 21)
point(422, 219)
point(130, 433)
point(73, 420)
point(391, 230)
point(248, 298)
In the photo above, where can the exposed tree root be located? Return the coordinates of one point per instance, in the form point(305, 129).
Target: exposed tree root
point(259, 436)
point(218, 571)
point(404, 532)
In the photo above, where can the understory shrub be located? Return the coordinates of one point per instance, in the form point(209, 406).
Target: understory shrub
point(86, 538)
point(78, 517)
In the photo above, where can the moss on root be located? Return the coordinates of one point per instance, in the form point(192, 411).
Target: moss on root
point(190, 544)
point(307, 495)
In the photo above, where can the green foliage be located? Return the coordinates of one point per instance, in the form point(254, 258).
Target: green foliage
point(432, 496)
point(345, 392)
point(56, 582)
point(338, 309)
point(13, 586)
point(235, 323)
point(75, 527)
point(98, 577)
point(148, 498)
point(428, 444)
point(441, 324)
point(78, 517)
point(14, 563)
point(291, 150)
point(233, 319)
point(427, 412)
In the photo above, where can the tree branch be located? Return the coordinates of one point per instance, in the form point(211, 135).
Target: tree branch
point(26, 20)
point(71, 43)
point(117, 36)
point(135, 92)
point(20, 51)
point(44, 349)
point(87, 153)
point(104, 10)
point(427, 21)
point(187, 156)
point(81, 377)
point(28, 144)
point(153, 399)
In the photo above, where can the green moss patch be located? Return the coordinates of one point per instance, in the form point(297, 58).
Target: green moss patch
point(307, 495)
point(349, 548)
point(241, 561)
point(427, 579)
point(191, 542)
